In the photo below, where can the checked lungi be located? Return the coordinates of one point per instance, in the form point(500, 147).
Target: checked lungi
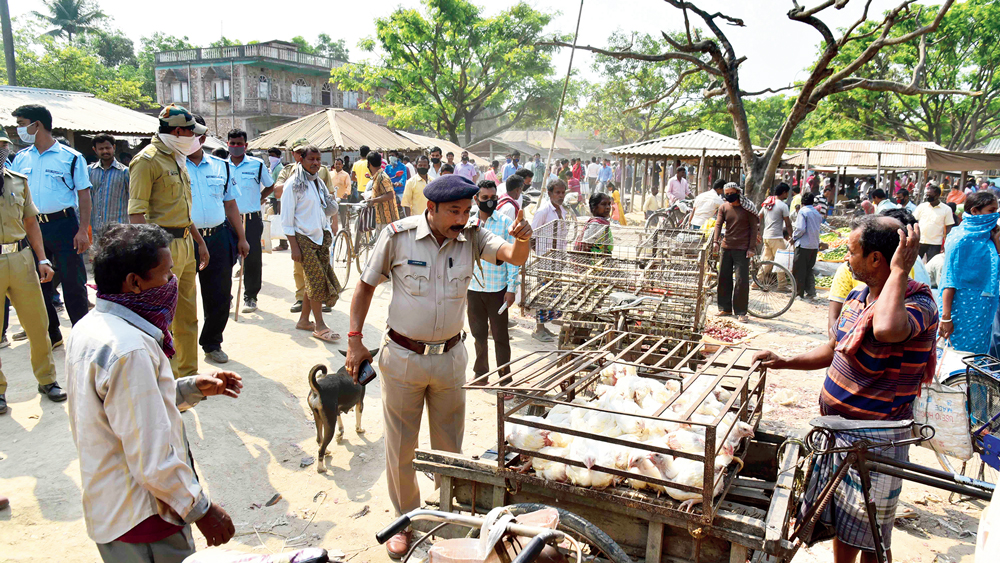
point(846, 513)
point(321, 283)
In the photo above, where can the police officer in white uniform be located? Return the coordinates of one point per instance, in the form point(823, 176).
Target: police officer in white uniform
point(430, 258)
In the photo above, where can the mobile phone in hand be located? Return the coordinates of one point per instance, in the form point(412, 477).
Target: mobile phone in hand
point(366, 373)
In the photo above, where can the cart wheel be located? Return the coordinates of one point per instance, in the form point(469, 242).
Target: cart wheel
point(600, 545)
point(341, 257)
point(772, 291)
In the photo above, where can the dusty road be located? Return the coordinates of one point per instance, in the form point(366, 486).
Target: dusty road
point(251, 449)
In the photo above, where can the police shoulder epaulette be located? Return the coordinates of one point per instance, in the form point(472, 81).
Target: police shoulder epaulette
point(15, 174)
point(403, 224)
point(148, 152)
point(474, 223)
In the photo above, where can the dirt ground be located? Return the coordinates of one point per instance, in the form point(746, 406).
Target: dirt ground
point(251, 449)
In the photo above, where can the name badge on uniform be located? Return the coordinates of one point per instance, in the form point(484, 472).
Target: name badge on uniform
point(416, 263)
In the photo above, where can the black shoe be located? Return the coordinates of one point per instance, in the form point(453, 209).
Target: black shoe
point(3, 404)
point(326, 308)
point(53, 392)
point(297, 308)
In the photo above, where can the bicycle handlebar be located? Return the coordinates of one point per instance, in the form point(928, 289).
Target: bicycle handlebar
point(396, 527)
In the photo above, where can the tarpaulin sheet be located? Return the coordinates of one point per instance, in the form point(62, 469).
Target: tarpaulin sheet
point(953, 161)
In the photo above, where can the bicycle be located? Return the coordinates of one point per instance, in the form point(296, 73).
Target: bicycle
point(982, 387)
point(586, 539)
point(345, 250)
point(677, 216)
point(772, 286)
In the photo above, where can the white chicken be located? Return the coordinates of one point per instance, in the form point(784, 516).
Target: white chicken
point(692, 473)
point(645, 467)
point(526, 437)
point(685, 441)
point(591, 453)
point(548, 469)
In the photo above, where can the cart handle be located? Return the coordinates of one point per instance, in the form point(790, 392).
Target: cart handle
point(396, 527)
point(535, 547)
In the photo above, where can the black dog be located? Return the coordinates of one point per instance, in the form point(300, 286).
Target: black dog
point(329, 397)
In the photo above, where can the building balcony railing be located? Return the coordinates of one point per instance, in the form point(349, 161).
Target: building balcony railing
point(260, 51)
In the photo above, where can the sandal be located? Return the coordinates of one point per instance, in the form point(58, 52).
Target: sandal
point(743, 319)
point(723, 314)
point(326, 336)
point(311, 326)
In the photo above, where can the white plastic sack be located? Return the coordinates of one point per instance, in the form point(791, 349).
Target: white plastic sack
point(785, 258)
point(943, 408)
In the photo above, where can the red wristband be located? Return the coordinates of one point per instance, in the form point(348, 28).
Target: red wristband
point(352, 333)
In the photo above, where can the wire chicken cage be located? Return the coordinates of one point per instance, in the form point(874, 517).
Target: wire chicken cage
point(553, 416)
point(576, 271)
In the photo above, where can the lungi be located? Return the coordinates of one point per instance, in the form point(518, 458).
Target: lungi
point(321, 283)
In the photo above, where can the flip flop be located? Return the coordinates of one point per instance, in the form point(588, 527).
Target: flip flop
point(723, 314)
point(310, 327)
point(326, 336)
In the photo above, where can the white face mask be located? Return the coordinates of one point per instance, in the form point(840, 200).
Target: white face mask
point(274, 161)
point(181, 145)
point(22, 132)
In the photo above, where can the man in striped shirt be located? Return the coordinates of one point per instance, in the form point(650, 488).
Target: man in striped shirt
point(879, 352)
point(110, 191)
point(493, 288)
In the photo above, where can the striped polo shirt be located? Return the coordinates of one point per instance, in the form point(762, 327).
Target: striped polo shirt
point(881, 381)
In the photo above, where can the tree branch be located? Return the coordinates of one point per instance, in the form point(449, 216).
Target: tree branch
point(621, 55)
point(677, 84)
point(715, 92)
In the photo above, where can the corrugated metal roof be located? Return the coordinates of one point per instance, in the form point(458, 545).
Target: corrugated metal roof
point(900, 155)
point(993, 147)
point(335, 129)
point(684, 145)
point(76, 111)
point(539, 139)
point(428, 142)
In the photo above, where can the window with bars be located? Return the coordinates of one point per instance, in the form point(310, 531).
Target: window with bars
point(179, 92)
point(301, 92)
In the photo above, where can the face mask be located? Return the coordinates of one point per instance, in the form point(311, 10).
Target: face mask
point(274, 161)
point(422, 170)
point(156, 305)
point(732, 198)
point(237, 151)
point(465, 159)
point(508, 161)
point(488, 206)
point(393, 160)
point(538, 159)
point(22, 132)
point(435, 161)
point(932, 200)
point(181, 145)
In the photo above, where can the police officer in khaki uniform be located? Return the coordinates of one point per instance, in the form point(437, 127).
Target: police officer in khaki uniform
point(430, 258)
point(160, 193)
point(279, 185)
point(18, 279)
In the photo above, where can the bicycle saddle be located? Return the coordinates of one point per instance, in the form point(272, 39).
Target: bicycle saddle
point(836, 422)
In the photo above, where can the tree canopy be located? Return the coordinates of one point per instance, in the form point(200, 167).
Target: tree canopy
point(455, 71)
point(70, 17)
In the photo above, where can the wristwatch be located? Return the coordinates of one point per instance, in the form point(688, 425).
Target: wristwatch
point(46, 262)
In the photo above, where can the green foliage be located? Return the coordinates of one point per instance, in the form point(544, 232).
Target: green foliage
point(113, 48)
point(148, 47)
point(634, 102)
point(452, 68)
point(70, 17)
point(963, 54)
point(225, 42)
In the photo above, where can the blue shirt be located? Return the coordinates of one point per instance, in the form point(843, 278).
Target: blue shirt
point(507, 171)
point(109, 195)
point(398, 183)
point(493, 278)
point(53, 185)
point(807, 226)
point(209, 191)
point(605, 174)
point(246, 173)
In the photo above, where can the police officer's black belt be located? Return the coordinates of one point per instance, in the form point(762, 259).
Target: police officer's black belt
point(248, 216)
point(177, 232)
point(12, 247)
point(211, 230)
point(49, 217)
point(423, 348)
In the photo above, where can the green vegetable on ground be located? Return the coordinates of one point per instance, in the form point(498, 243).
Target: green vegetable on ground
point(824, 282)
point(836, 254)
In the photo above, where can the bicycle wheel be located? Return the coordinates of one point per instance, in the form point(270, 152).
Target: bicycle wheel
point(772, 291)
point(341, 257)
point(675, 219)
point(654, 221)
point(362, 248)
point(596, 544)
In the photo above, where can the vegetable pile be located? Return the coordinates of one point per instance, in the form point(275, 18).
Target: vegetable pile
point(824, 282)
point(837, 254)
point(725, 330)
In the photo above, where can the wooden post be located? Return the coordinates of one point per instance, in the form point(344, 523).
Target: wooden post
point(805, 173)
point(701, 172)
point(878, 172)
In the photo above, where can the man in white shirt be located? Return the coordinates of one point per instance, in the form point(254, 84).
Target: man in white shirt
point(882, 202)
point(466, 169)
point(707, 204)
point(935, 222)
point(434, 172)
point(411, 170)
point(677, 188)
point(545, 240)
point(140, 491)
point(593, 170)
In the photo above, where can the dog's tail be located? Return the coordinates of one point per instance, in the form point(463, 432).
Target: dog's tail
point(318, 368)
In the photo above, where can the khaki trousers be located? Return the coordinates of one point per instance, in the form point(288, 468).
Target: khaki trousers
point(19, 281)
point(300, 280)
point(771, 248)
point(409, 381)
point(185, 324)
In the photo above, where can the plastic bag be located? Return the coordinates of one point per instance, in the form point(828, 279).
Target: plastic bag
point(785, 258)
point(943, 408)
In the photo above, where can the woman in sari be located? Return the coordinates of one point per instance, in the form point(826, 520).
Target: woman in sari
point(596, 234)
point(617, 211)
point(969, 281)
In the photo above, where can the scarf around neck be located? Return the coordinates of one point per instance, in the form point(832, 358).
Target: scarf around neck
point(156, 305)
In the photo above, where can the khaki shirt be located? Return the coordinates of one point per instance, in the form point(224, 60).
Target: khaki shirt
point(159, 187)
point(287, 171)
point(429, 282)
point(15, 205)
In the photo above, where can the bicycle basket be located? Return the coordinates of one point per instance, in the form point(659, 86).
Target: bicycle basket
point(983, 380)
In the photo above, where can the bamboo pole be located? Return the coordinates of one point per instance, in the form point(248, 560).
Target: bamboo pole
point(562, 100)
